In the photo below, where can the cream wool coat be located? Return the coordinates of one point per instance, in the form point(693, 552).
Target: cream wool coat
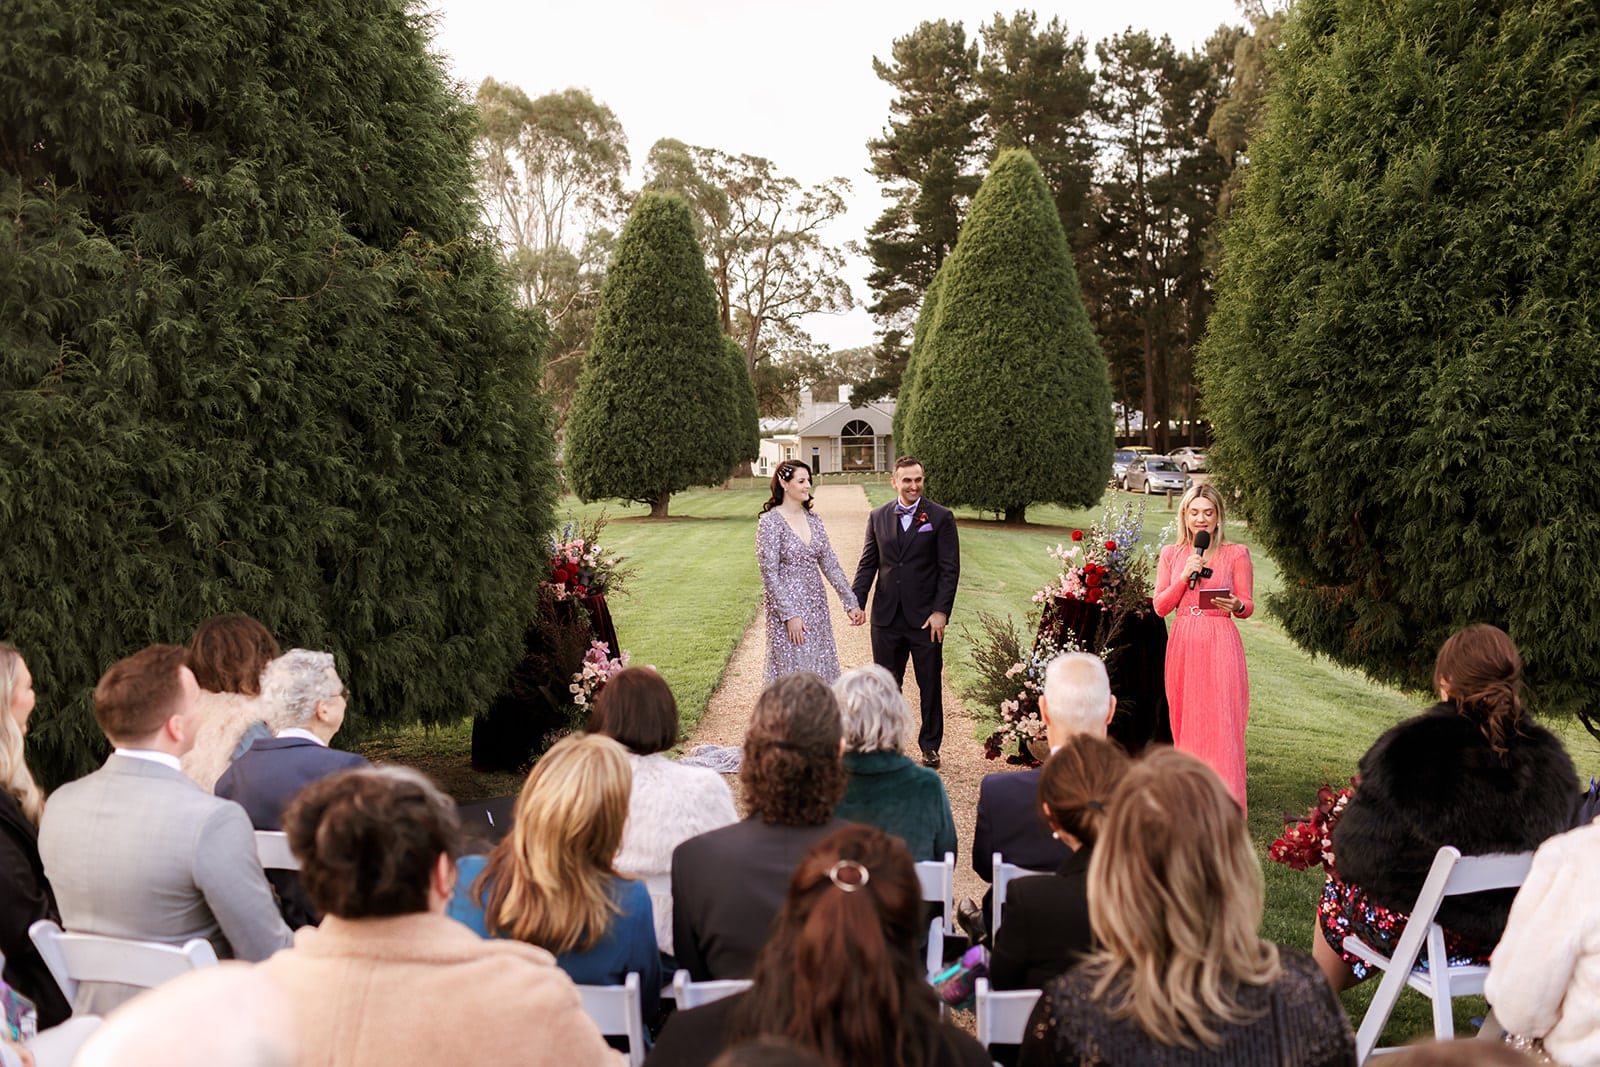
point(225, 718)
point(1544, 977)
point(670, 804)
point(423, 989)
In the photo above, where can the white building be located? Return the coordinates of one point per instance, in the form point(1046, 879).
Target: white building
point(833, 437)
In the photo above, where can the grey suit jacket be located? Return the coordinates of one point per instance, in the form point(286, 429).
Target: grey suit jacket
point(138, 850)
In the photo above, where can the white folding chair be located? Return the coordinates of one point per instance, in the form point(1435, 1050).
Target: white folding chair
point(1452, 874)
point(619, 1012)
point(1004, 874)
point(690, 994)
point(938, 878)
point(74, 958)
point(1003, 1017)
point(272, 846)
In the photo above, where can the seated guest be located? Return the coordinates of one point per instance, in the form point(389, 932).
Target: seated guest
point(25, 895)
point(1544, 980)
point(727, 885)
point(841, 975)
point(1045, 928)
point(1175, 898)
point(227, 1016)
point(551, 881)
point(1472, 772)
point(305, 699)
point(136, 849)
point(670, 802)
point(886, 788)
point(227, 654)
point(1076, 700)
point(388, 978)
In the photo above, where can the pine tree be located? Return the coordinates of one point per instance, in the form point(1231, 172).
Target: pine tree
point(1012, 404)
point(744, 429)
point(652, 412)
point(1402, 368)
point(256, 355)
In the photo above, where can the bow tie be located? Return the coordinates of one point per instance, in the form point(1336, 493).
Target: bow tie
point(904, 509)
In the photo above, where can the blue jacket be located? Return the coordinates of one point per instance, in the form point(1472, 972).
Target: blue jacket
point(273, 770)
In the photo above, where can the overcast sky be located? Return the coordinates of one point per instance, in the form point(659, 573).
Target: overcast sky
point(788, 80)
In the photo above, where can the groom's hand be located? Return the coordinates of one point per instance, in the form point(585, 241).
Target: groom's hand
point(935, 625)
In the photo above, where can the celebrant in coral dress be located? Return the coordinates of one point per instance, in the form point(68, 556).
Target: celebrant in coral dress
point(793, 553)
point(1208, 689)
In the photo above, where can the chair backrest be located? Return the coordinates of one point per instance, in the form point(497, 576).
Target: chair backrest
point(691, 994)
point(1004, 874)
point(1003, 1017)
point(938, 878)
point(74, 958)
point(272, 846)
point(618, 1012)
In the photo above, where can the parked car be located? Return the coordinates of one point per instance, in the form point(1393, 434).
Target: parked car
point(1155, 474)
point(1120, 461)
point(1190, 459)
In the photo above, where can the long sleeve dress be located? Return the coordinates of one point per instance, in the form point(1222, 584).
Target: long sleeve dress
point(1208, 689)
point(791, 582)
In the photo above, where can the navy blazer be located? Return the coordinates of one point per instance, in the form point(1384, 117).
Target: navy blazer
point(916, 572)
point(1010, 823)
point(273, 770)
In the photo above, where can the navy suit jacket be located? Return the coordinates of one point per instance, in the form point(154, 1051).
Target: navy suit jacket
point(273, 770)
point(1010, 823)
point(916, 572)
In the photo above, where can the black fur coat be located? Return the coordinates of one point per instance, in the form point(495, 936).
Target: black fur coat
point(1433, 781)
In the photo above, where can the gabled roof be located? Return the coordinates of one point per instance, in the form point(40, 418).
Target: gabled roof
point(829, 423)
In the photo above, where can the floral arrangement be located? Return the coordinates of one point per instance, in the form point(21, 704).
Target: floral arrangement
point(580, 566)
point(1307, 840)
point(1021, 726)
point(598, 668)
point(1106, 565)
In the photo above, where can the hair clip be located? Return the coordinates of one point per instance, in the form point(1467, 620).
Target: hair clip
point(785, 473)
point(837, 871)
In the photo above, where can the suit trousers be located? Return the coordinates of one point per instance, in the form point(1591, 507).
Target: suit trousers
point(892, 645)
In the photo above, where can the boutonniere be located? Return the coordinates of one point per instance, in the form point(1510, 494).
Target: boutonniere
point(922, 518)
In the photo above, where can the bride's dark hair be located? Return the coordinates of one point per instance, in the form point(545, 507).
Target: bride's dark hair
point(782, 476)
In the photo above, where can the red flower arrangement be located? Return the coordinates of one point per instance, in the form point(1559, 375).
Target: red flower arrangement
point(1307, 840)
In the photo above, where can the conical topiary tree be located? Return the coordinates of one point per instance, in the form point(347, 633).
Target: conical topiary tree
point(744, 429)
point(1011, 403)
point(256, 355)
point(911, 380)
point(1402, 368)
point(654, 404)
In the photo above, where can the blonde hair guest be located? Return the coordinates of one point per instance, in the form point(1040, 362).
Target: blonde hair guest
point(16, 705)
point(1175, 899)
point(552, 881)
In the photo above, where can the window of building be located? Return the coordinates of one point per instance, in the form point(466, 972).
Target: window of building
point(858, 446)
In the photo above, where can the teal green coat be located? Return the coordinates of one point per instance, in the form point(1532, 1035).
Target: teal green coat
point(890, 791)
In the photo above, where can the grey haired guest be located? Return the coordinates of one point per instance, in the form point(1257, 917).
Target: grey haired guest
point(886, 788)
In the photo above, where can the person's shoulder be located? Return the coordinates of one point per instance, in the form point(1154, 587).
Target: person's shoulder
point(1007, 784)
point(961, 1048)
point(718, 840)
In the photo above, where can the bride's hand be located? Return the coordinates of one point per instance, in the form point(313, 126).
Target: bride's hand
point(797, 630)
point(857, 617)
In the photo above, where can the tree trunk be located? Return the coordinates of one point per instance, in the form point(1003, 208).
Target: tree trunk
point(658, 506)
point(1016, 514)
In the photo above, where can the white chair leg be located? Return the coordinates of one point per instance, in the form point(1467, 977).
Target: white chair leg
point(1444, 1024)
point(1378, 1012)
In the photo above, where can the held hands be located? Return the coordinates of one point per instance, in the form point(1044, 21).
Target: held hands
point(857, 617)
point(797, 630)
point(935, 624)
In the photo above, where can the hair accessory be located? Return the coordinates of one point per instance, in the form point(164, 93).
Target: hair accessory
point(836, 875)
point(785, 472)
point(1096, 806)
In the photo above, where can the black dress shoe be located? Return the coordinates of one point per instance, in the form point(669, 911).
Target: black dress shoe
point(930, 758)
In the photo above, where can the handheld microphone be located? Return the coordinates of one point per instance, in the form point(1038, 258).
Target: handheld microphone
point(1202, 541)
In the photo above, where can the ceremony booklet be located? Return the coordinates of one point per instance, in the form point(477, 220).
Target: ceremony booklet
point(1208, 597)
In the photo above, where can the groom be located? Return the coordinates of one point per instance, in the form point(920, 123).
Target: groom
point(911, 550)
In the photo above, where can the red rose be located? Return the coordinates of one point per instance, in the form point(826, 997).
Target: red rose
point(1092, 596)
point(1077, 535)
point(561, 575)
point(1111, 546)
point(1092, 581)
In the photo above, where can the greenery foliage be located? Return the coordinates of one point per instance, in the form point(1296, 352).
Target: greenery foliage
point(1012, 404)
point(256, 354)
point(1402, 366)
point(655, 411)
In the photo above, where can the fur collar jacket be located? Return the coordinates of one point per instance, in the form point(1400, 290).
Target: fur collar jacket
point(1433, 780)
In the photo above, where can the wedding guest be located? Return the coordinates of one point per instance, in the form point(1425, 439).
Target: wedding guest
point(728, 884)
point(1208, 686)
point(1544, 979)
point(388, 978)
point(1175, 900)
point(551, 881)
point(886, 788)
point(1472, 771)
point(232, 1015)
point(670, 803)
point(25, 895)
point(1045, 929)
point(227, 654)
point(840, 975)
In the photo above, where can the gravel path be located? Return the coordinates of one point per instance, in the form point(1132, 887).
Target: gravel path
point(844, 509)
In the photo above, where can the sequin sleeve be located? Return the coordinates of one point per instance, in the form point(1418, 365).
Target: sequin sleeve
point(830, 566)
point(769, 551)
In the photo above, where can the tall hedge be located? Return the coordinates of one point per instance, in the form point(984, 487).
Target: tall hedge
point(744, 428)
point(654, 407)
point(1404, 368)
point(256, 355)
point(912, 378)
point(1012, 400)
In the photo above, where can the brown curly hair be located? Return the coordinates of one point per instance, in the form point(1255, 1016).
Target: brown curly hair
point(792, 772)
point(1482, 669)
point(228, 653)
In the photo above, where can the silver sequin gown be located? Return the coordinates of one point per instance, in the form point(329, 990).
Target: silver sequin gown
point(791, 582)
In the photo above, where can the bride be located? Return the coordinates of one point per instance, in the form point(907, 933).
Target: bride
point(793, 552)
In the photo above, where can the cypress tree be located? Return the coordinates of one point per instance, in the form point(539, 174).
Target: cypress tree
point(1402, 368)
point(913, 380)
point(1012, 403)
point(744, 429)
point(654, 405)
point(256, 355)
